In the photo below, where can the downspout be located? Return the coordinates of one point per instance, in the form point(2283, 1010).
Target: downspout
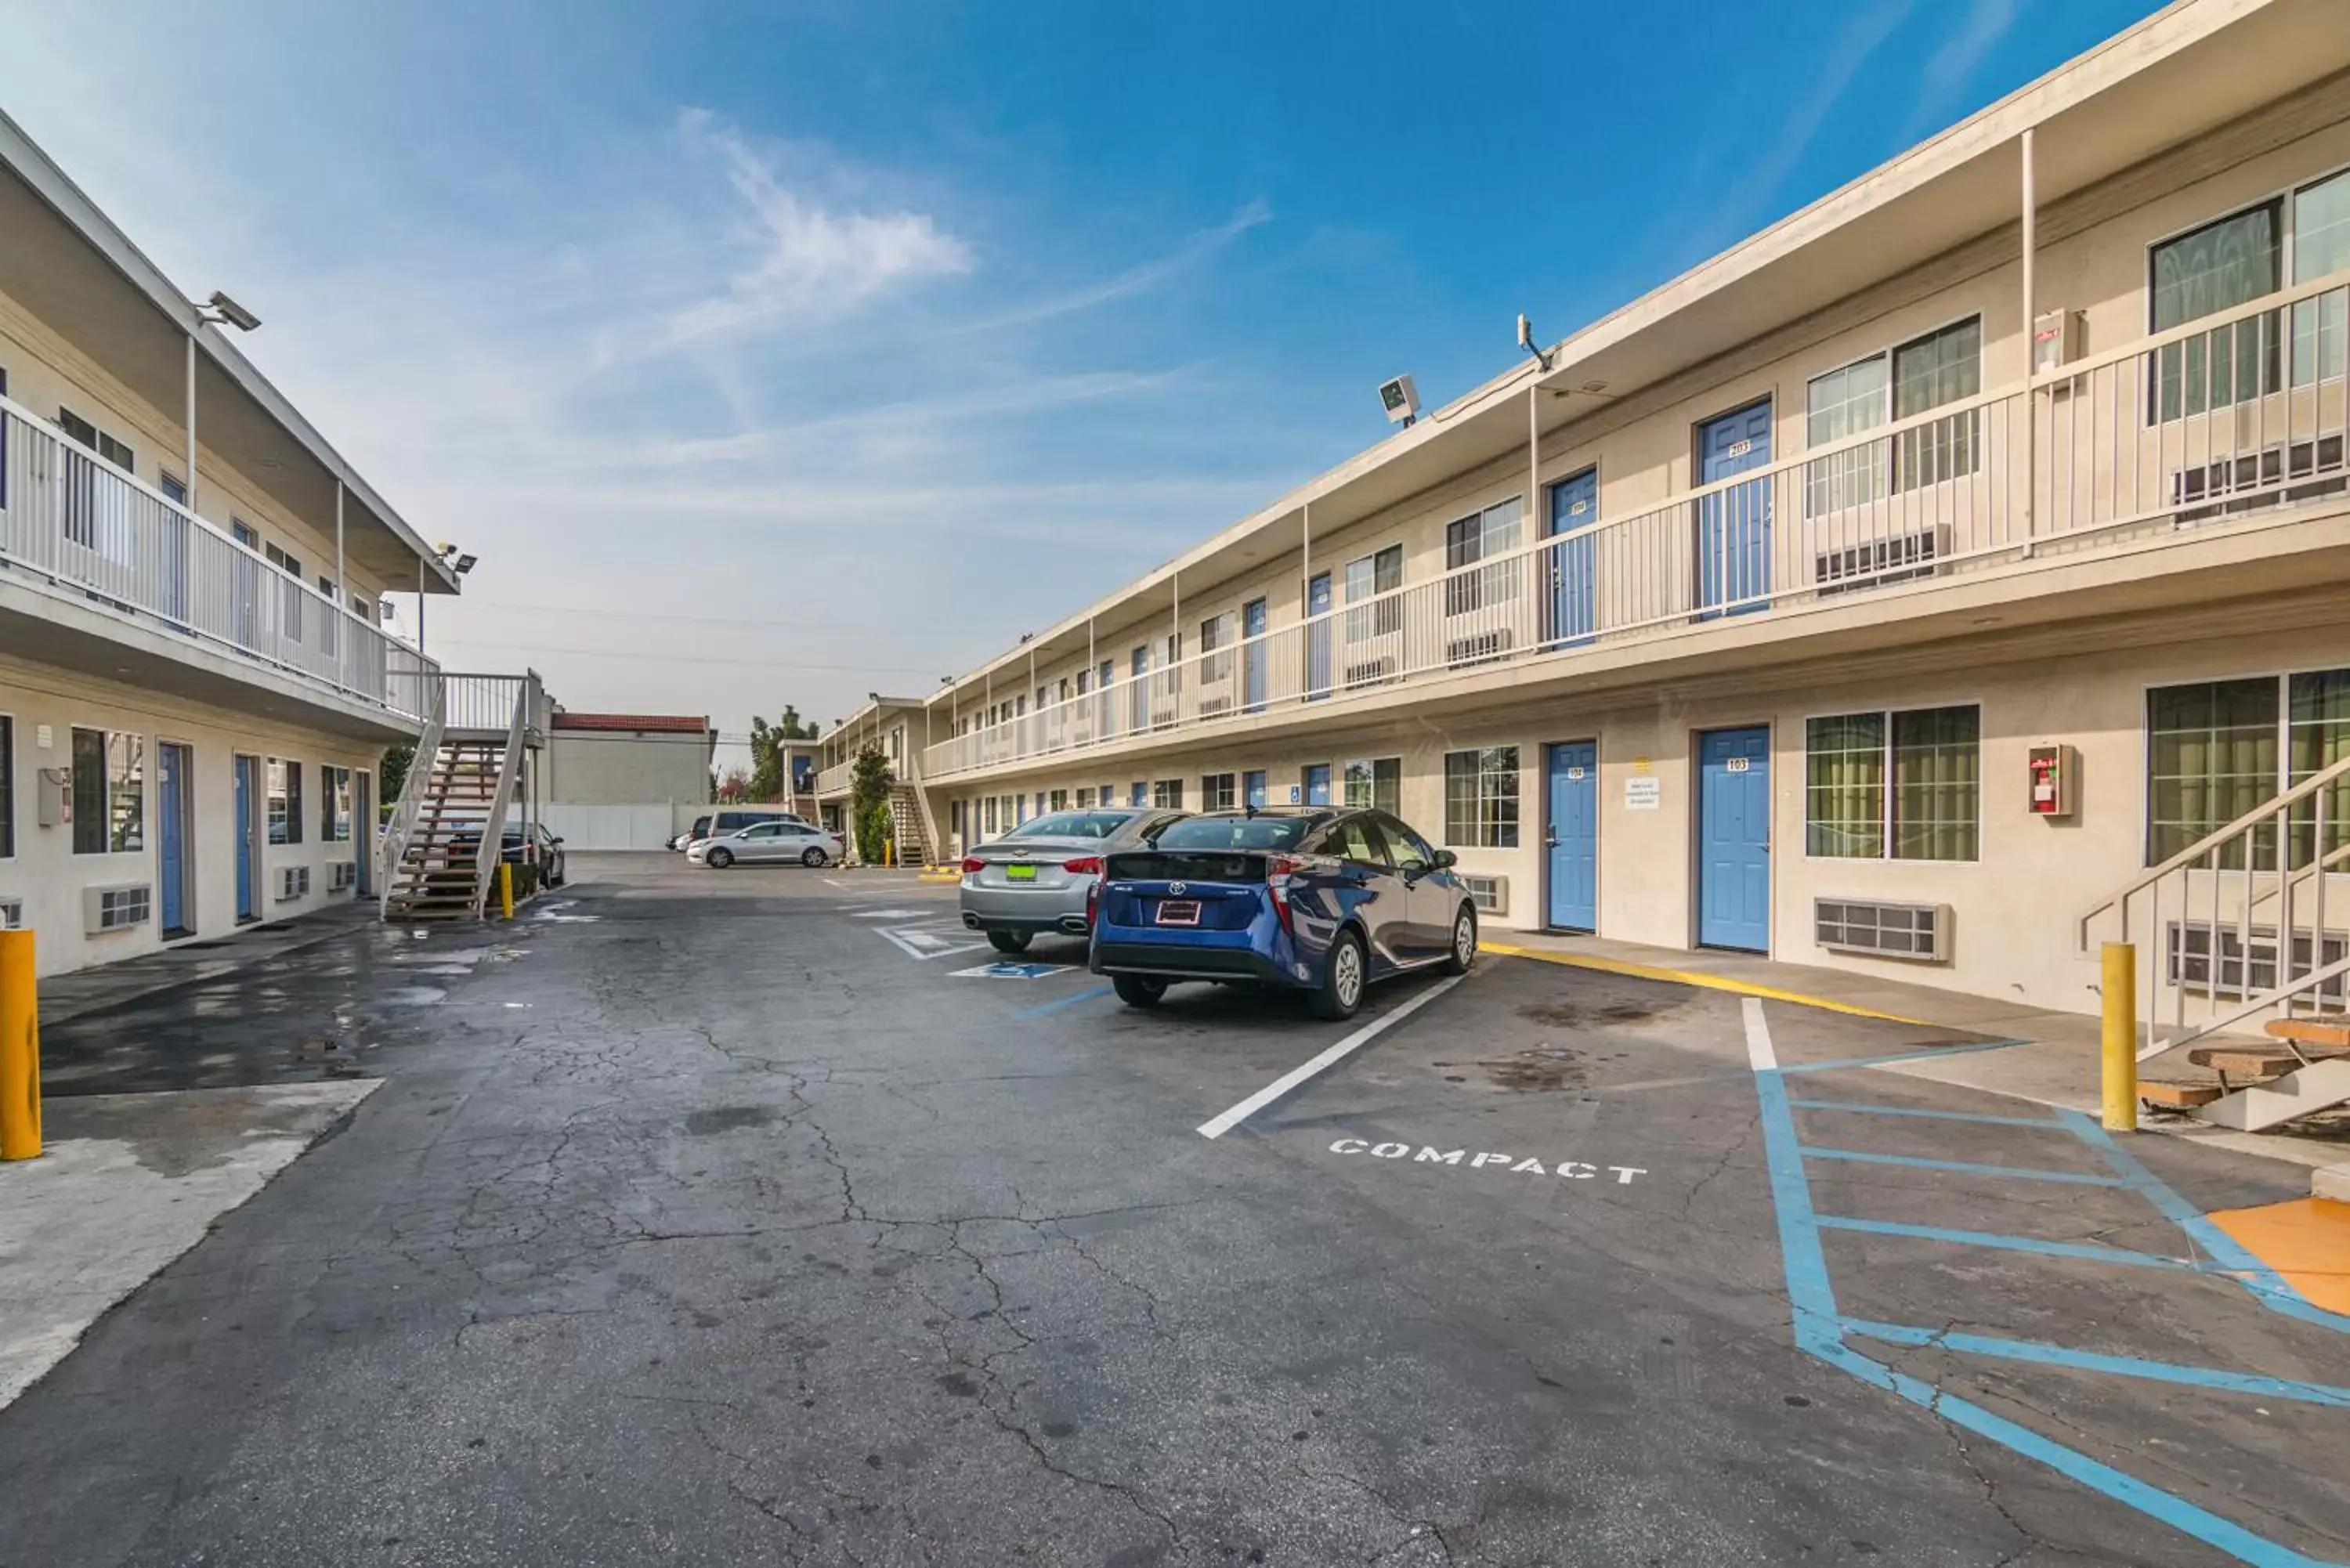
point(2030, 398)
point(188, 408)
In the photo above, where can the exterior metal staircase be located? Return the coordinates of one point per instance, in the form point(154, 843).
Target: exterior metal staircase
point(908, 820)
point(442, 848)
point(2232, 935)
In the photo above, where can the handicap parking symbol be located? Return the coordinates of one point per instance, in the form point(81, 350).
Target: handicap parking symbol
point(1008, 970)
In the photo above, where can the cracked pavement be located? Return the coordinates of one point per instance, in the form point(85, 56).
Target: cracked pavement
point(715, 1229)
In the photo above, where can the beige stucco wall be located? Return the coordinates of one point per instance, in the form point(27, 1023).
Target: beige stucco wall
point(45, 373)
point(50, 878)
point(2093, 258)
point(626, 767)
point(2014, 908)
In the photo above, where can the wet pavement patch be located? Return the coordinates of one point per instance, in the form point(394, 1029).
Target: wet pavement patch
point(1536, 1067)
point(728, 1118)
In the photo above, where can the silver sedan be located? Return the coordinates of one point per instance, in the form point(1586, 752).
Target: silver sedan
point(1036, 878)
point(793, 841)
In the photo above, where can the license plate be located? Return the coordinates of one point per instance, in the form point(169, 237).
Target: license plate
point(1179, 911)
point(1020, 873)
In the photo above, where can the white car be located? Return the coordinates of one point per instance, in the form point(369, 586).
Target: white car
point(800, 841)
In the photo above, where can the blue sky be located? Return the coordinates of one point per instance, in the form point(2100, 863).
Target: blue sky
point(775, 352)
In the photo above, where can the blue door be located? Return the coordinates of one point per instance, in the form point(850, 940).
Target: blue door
point(1252, 790)
point(172, 834)
point(1574, 603)
point(1572, 836)
point(1733, 843)
point(1253, 656)
point(1317, 637)
point(248, 847)
point(1733, 526)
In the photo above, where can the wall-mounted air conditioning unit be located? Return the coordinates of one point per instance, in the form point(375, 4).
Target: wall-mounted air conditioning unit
point(2191, 965)
point(292, 882)
point(119, 908)
point(1920, 931)
point(1490, 894)
point(1877, 562)
point(12, 914)
point(1476, 648)
point(341, 875)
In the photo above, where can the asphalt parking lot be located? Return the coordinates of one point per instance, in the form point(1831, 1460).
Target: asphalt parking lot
point(765, 1216)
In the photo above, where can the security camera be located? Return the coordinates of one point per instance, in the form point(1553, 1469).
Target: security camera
point(1401, 401)
point(236, 315)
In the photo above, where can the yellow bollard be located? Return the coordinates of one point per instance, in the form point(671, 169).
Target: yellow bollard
point(20, 1049)
point(2120, 994)
point(505, 888)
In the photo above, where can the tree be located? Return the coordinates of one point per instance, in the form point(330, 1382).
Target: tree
point(868, 803)
point(769, 774)
point(391, 774)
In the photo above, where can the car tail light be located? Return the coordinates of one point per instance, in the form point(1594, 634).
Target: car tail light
point(1278, 869)
point(1093, 902)
point(1085, 866)
point(972, 863)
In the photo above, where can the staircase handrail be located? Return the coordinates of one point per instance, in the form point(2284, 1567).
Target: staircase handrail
point(492, 851)
point(2279, 806)
point(932, 847)
point(392, 852)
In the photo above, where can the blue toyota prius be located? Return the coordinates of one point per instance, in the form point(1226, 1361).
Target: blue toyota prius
point(1321, 901)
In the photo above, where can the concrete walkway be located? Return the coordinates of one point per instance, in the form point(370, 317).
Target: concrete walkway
point(85, 991)
point(2057, 1066)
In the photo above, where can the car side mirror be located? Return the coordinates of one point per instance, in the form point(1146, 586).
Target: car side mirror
point(1445, 860)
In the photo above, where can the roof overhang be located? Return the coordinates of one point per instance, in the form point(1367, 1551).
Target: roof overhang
point(82, 277)
point(2184, 71)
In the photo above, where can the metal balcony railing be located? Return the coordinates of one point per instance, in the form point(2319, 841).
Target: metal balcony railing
point(75, 525)
point(2239, 413)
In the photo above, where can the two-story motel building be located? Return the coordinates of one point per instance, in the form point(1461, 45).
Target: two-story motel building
point(196, 692)
point(1895, 583)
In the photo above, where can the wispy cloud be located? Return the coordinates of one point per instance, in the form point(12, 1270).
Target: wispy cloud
point(803, 257)
point(1951, 68)
point(1194, 251)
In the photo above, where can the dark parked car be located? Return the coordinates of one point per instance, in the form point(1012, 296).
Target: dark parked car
point(540, 847)
point(1321, 901)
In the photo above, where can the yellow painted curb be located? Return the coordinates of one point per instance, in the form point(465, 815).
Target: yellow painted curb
point(2306, 1240)
point(1694, 977)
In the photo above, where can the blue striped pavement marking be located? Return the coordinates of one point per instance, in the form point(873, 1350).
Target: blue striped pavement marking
point(1963, 1167)
point(1819, 1330)
point(2093, 1251)
point(1071, 999)
point(2091, 1361)
point(1925, 1055)
point(2265, 1283)
point(1859, 1109)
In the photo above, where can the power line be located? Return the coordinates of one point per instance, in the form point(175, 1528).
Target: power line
point(693, 619)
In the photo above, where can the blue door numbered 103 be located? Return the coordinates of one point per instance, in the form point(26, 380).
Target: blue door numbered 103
point(1572, 836)
point(1734, 839)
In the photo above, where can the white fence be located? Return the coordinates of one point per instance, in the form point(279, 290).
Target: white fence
point(649, 825)
point(73, 520)
point(2239, 413)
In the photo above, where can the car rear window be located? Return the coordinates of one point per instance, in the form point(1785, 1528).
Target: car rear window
point(1073, 824)
point(1232, 833)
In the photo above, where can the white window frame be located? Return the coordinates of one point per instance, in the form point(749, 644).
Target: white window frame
point(1883, 469)
point(1489, 831)
point(1887, 824)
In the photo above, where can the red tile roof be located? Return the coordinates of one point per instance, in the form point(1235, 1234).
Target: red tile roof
point(666, 723)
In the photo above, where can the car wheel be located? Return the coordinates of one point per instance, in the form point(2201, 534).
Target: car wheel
point(1465, 943)
point(721, 858)
point(812, 858)
point(1138, 989)
point(1009, 942)
point(1343, 975)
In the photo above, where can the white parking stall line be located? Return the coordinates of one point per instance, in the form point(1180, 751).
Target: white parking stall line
point(1760, 1053)
point(1218, 1126)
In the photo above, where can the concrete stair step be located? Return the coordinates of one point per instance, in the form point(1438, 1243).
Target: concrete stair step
point(2249, 1061)
point(2177, 1096)
point(2329, 1033)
